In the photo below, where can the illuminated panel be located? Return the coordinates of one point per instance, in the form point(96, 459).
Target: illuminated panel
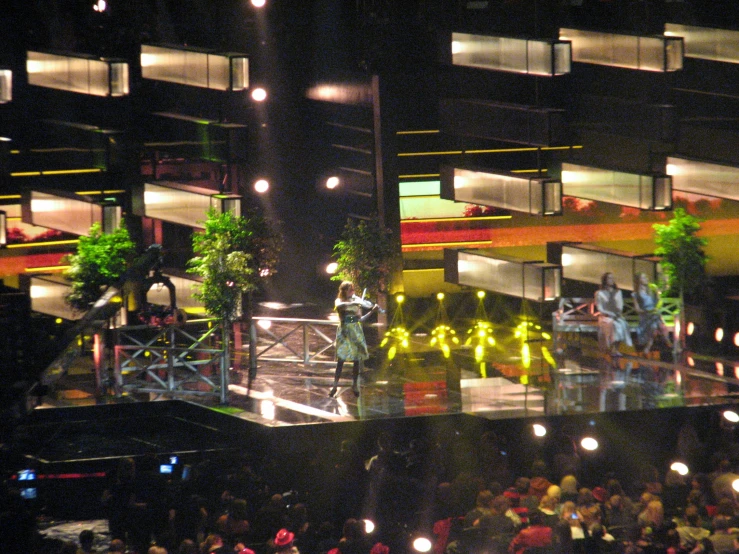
point(47, 297)
point(645, 53)
point(530, 56)
point(193, 67)
point(420, 200)
point(703, 178)
point(587, 263)
point(646, 192)
point(176, 203)
point(56, 211)
point(535, 281)
point(720, 45)
point(535, 196)
point(6, 86)
point(78, 73)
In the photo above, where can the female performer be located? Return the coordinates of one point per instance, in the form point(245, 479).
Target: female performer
point(350, 342)
point(612, 327)
point(646, 298)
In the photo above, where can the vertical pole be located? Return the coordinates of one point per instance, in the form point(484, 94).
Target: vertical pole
point(252, 343)
point(225, 358)
point(170, 358)
point(306, 350)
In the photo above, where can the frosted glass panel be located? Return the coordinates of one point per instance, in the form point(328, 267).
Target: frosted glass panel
point(588, 263)
point(510, 54)
point(219, 72)
point(506, 275)
point(119, 79)
point(176, 205)
point(703, 178)
point(239, 73)
point(628, 51)
point(507, 192)
point(47, 297)
point(195, 68)
point(64, 214)
point(646, 192)
point(721, 45)
point(6, 85)
point(77, 74)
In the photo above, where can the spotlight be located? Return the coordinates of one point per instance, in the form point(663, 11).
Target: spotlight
point(680, 467)
point(264, 323)
point(369, 526)
point(261, 186)
point(735, 485)
point(481, 294)
point(400, 298)
point(691, 361)
point(259, 94)
point(539, 430)
point(736, 339)
point(332, 268)
point(589, 443)
point(440, 296)
point(690, 328)
point(422, 544)
point(731, 416)
point(332, 182)
point(719, 369)
point(718, 334)
point(258, 3)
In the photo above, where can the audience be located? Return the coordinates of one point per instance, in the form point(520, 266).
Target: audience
point(470, 515)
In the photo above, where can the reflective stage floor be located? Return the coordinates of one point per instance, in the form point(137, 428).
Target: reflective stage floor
point(422, 383)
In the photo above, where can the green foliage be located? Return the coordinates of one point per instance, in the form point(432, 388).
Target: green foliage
point(363, 254)
point(681, 249)
point(232, 255)
point(100, 261)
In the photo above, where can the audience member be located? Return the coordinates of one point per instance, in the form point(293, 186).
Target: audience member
point(87, 539)
point(536, 535)
point(283, 543)
point(722, 538)
point(233, 526)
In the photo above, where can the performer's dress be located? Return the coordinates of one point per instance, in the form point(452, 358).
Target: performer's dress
point(611, 329)
point(350, 341)
point(649, 321)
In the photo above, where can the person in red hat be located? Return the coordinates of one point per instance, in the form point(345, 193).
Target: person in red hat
point(283, 543)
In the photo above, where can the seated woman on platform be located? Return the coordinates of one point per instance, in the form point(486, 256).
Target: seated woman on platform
point(612, 327)
point(651, 324)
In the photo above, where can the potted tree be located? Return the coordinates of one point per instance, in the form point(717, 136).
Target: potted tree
point(233, 254)
point(683, 257)
point(364, 253)
point(100, 261)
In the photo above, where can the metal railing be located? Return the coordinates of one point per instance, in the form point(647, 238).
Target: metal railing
point(177, 360)
point(306, 341)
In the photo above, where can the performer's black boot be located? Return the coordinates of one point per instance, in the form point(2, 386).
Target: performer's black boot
point(337, 376)
point(355, 378)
